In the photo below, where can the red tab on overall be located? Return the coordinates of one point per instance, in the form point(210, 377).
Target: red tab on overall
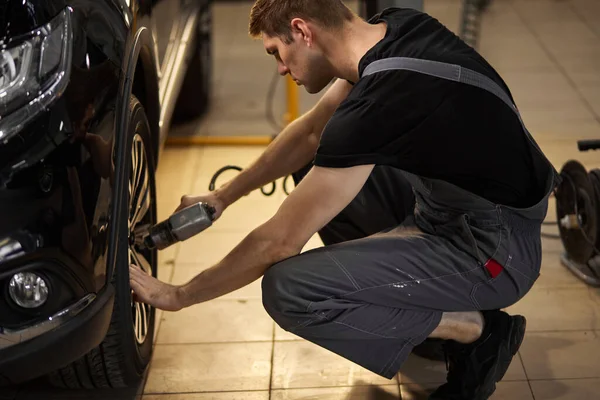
point(493, 268)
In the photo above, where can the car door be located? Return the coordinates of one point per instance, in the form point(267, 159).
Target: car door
point(166, 24)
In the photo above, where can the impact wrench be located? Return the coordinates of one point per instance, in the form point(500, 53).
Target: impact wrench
point(180, 226)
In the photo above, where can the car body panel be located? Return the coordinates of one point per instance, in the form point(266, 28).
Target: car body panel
point(59, 177)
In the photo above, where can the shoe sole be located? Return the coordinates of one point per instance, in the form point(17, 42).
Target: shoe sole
point(506, 352)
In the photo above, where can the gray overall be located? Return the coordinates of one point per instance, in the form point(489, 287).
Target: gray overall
point(382, 282)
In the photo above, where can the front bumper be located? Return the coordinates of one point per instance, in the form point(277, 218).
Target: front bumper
point(67, 342)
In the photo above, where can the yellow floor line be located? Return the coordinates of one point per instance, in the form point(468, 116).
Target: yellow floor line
point(219, 141)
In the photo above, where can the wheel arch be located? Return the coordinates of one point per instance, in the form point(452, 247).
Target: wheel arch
point(140, 78)
point(145, 88)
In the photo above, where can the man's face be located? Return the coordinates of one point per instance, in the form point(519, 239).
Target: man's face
point(306, 65)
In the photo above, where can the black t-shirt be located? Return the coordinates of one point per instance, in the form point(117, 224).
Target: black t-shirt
point(430, 126)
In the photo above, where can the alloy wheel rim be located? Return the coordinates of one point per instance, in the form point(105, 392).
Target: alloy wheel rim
point(139, 216)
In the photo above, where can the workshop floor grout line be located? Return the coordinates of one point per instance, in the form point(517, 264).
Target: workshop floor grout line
point(272, 360)
point(583, 20)
point(562, 331)
point(563, 379)
point(214, 343)
point(520, 357)
point(205, 392)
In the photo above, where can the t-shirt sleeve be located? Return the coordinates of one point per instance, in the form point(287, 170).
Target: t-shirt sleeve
point(354, 136)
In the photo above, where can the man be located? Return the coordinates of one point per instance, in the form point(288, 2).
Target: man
point(426, 170)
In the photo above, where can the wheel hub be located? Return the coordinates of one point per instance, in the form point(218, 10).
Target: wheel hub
point(139, 216)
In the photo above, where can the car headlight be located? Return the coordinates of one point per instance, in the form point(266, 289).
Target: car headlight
point(34, 71)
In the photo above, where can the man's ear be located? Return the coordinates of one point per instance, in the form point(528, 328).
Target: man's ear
point(302, 30)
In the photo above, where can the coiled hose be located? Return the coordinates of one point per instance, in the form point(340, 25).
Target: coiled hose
point(213, 181)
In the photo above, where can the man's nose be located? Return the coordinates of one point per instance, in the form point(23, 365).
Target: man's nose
point(283, 70)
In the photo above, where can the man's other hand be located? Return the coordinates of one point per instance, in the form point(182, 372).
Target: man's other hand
point(151, 291)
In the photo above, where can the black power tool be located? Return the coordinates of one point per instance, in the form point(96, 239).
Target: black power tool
point(180, 226)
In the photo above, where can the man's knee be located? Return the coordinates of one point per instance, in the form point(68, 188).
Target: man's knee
point(281, 292)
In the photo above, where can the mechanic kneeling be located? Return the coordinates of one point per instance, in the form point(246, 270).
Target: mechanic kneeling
point(417, 172)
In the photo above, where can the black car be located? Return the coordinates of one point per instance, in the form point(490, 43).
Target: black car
point(88, 90)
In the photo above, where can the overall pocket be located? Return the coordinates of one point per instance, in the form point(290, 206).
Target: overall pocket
point(457, 231)
point(521, 268)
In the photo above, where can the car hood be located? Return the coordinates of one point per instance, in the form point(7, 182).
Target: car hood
point(18, 17)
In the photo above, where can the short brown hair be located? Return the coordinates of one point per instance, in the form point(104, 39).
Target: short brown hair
point(273, 16)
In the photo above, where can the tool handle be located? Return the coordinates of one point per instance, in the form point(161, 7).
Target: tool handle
point(585, 145)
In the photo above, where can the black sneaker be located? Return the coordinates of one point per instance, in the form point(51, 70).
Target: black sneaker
point(475, 368)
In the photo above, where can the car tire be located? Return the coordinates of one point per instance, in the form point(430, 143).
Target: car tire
point(194, 96)
point(122, 358)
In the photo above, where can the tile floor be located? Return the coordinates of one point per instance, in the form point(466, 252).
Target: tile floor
point(549, 53)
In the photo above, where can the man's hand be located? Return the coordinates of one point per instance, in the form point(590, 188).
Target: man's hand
point(212, 199)
point(151, 291)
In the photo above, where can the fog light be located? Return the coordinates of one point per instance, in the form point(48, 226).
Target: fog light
point(28, 290)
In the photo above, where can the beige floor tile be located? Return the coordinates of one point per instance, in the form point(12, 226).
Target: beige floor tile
point(199, 127)
point(567, 132)
point(518, 390)
point(209, 247)
point(304, 364)
point(165, 272)
point(446, 11)
point(561, 151)
point(559, 309)
point(542, 89)
point(588, 11)
point(46, 392)
point(259, 395)
point(247, 214)
point(174, 177)
point(569, 389)
point(538, 12)
point(214, 157)
point(574, 41)
point(555, 275)
point(561, 355)
point(538, 118)
point(209, 367)
point(177, 162)
point(166, 257)
point(501, 17)
point(518, 51)
point(185, 272)
point(218, 321)
point(158, 320)
point(421, 370)
point(313, 243)
point(382, 392)
point(282, 335)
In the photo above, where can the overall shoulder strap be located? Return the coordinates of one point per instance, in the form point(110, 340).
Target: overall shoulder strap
point(442, 70)
point(454, 73)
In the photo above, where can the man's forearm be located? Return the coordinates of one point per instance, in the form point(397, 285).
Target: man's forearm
point(247, 262)
point(291, 150)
